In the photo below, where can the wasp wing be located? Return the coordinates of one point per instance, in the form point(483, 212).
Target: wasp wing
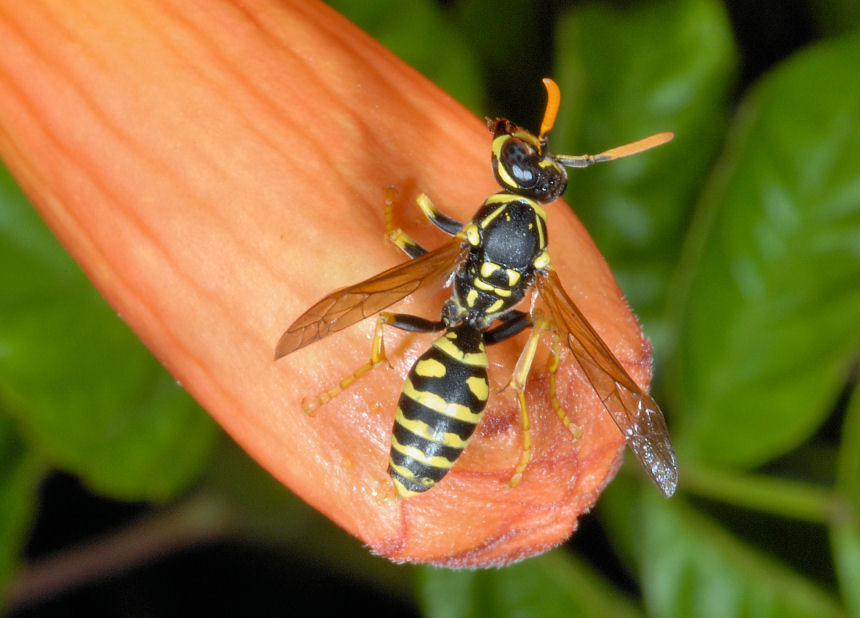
point(345, 307)
point(633, 410)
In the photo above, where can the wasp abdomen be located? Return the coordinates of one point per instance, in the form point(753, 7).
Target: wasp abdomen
point(442, 401)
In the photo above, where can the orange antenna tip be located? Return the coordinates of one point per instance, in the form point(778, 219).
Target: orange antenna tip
point(553, 101)
point(636, 147)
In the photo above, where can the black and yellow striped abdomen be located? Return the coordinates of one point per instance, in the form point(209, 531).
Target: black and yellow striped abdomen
point(442, 401)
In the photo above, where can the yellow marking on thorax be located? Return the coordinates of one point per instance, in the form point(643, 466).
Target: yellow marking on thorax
point(536, 207)
point(471, 298)
point(507, 198)
point(488, 268)
point(496, 306)
point(487, 271)
point(503, 197)
point(472, 235)
point(483, 285)
point(493, 215)
point(542, 261)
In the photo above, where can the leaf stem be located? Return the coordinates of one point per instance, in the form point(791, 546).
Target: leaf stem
point(195, 521)
point(781, 497)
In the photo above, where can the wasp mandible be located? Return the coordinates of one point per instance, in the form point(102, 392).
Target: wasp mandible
point(492, 263)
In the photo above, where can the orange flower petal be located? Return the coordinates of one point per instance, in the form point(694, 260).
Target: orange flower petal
point(216, 168)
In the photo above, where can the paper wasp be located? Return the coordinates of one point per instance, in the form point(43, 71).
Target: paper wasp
point(492, 263)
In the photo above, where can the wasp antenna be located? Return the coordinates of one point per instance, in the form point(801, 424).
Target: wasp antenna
point(553, 101)
point(630, 149)
point(616, 153)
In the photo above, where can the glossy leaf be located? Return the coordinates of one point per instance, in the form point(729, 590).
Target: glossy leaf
point(89, 396)
point(770, 321)
point(693, 567)
point(622, 82)
point(845, 531)
point(556, 584)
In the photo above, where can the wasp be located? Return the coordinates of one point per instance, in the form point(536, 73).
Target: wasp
point(491, 264)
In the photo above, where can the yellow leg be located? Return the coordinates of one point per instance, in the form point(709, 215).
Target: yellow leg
point(437, 217)
point(377, 357)
point(527, 443)
point(518, 383)
point(397, 235)
point(552, 367)
point(390, 194)
point(427, 207)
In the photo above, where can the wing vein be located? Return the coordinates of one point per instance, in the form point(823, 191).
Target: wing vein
point(352, 304)
point(634, 411)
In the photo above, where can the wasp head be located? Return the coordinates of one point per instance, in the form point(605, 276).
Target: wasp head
point(523, 164)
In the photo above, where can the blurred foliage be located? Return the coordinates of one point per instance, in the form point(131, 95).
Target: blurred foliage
point(738, 243)
point(19, 473)
point(682, 84)
point(111, 414)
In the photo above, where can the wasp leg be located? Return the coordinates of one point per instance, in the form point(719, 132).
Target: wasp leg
point(438, 218)
point(377, 355)
point(512, 324)
point(434, 215)
point(397, 235)
point(552, 367)
point(518, 383)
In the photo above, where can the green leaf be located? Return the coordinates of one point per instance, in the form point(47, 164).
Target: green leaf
point(420, 35)
point(626, 73)
point(693, 567)
point(20, 472)
point(619, 510)
point(845, 531)
point(555, 584)
point(772, 297)
point(88, 396)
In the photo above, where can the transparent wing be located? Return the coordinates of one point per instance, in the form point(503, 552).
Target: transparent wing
point(345, 307)
point(633, 410)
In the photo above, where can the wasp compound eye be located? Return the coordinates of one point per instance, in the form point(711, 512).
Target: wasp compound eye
point(521, 162)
